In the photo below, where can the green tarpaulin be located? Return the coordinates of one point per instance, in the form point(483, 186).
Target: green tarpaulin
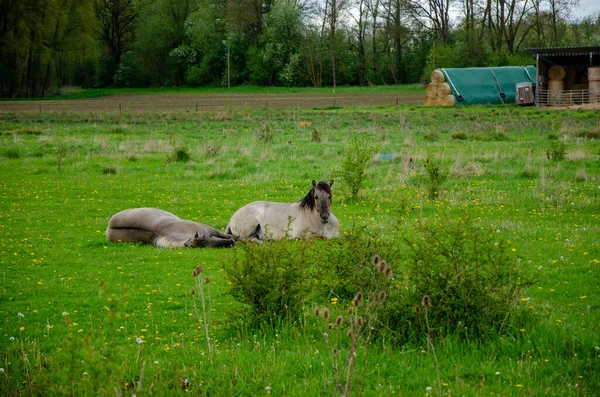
point(496, 85)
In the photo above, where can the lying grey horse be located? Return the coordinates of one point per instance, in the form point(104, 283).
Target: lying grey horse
point(163, 229)
point(307, 218)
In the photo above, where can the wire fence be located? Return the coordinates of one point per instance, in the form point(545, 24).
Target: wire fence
point(566, 98)
point(154, 103)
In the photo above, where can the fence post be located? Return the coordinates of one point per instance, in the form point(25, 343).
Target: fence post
point(40, 108)
point(120, 109)
point(196, 106)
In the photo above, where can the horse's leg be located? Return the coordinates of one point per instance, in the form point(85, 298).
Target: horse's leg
point(212, 241)
point(227, 235)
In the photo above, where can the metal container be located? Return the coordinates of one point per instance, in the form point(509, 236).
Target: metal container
point(524, 94)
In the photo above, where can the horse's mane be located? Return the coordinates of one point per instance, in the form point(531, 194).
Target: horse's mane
point(308, 202)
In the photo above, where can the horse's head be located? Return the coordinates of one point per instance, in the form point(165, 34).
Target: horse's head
point(196, 242)
point(321, 195)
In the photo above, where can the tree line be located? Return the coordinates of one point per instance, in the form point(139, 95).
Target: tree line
point(49, 44)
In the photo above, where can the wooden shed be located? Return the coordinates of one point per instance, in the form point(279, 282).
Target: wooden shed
point(566, 75)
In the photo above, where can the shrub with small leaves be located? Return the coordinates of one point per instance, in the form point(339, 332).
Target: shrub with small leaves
point(269, 280)
point(353, 171)
point(473, 284)
point(436, 176)
point(557, 151)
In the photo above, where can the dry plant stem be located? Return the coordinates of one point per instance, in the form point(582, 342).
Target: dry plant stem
point(200, 284)
point(437, 367)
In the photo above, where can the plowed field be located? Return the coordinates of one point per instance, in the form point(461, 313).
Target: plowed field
point(163, 102)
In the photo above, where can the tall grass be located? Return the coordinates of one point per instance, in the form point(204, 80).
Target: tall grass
point(82, 316)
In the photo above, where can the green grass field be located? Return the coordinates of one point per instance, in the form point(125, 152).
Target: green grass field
point(86, 317)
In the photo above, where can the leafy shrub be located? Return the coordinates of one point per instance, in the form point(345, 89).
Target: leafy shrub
point(265, 134)
point(353, 171)
point(12, 153)
point(461, 136)
point(474, 284)
point(315, 135)
point(436, 176)
point(269, 280)
point(557, 151)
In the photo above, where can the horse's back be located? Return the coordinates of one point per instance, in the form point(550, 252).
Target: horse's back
point(141, 218)
point(261, 219)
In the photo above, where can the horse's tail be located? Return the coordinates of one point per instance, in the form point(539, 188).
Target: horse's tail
point(228, 229)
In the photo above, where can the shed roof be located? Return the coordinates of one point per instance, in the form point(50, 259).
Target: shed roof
point(564, 51)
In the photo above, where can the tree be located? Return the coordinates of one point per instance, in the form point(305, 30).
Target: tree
point(433, 15)
point(116, 21)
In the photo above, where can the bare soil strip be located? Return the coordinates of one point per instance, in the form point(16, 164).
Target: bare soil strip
point(163, 102)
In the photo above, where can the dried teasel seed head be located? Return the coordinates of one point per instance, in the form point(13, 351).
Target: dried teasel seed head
point(417, 309)
point(194, 274)
point(358, 298)
point(382, 296)
point(339, 320)
point(207, 280)
point(376, 260)
point(330, 326)
point(388, 272)
point(382, 267)
point(426, 302)
point(334, 352)
point(360, 321)
point(317, 312)
point(350, 310)
point(193, 291)
point(326, 313)
point(350, 333)
point(199, 269)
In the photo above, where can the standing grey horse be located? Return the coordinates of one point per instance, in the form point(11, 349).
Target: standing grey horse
point(163, 229)
point(307, 218)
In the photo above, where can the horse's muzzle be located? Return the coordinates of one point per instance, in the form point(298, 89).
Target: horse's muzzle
point(324, 218)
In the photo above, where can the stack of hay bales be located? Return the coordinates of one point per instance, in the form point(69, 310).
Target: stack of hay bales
point(438, 91)
point(556, 84)
point(594, 83)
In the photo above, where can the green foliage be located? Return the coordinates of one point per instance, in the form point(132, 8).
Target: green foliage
point(475, 285)
point(269, 280)
point(557, 151)
point(436, 176)
point(353, 171)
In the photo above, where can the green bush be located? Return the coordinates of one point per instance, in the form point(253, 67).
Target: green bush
point(353, 171)
point(474, 283)
point(557, 151)
point(436, 176)
point(269, 280)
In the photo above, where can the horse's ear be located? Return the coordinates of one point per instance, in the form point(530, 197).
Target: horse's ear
point(314, 184)
point(196, 235)
point(331, 183)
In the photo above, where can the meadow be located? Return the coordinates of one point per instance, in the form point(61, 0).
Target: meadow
point(81, 316)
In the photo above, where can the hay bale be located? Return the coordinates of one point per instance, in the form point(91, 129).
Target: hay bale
point(448, 100)
point(556, 72)
point(428, 101)
point(437, 77)
point(595, 91)
point(443, 90)
point(555, 89)
point(594, 73)
point(431, 90)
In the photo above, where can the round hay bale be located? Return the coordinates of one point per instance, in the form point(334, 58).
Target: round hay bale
point(594, 73)
point(437, 77)
point(556, 85)
point(555, 89)
point(595, 91)
point(431, 90)
point(556, 72)
point(448, 100)
point(443, 90)
point(429, 101)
